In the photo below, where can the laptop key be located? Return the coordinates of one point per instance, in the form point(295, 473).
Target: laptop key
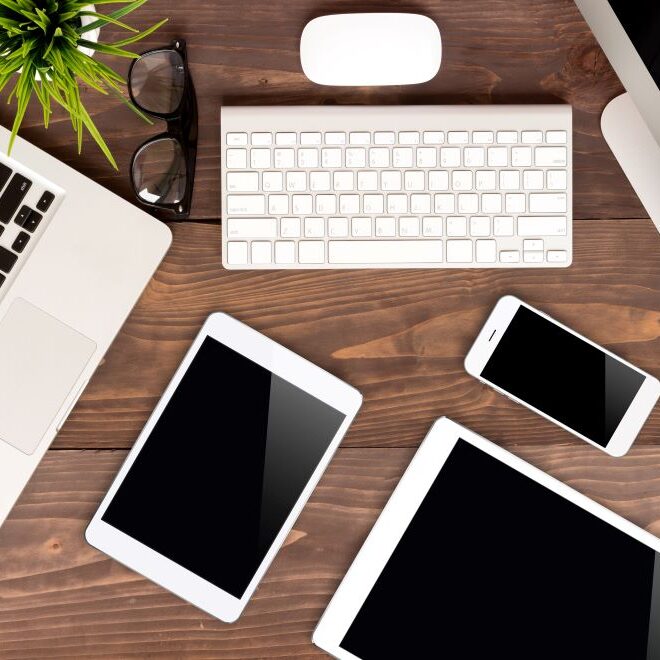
point(2, 279)
point(32, 221)
point(7, 259)
point(20, 242)
point(22, 215)
point(12, 196)
point(5, 173)
point(46, 200)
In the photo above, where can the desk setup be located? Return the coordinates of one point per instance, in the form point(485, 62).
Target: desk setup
point(422, 236)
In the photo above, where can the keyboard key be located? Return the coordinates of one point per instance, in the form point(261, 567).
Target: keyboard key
point(557, 256)
point(285, 139)
point(479, 226)
point(349, 204)
point(420, 203)
point(5, 173)
point(330, 158)
point(521, 156)
point(486, 251)
point(532, 257)
point(434, 137)
point(260, 158)
point(509, 180)
point(498, 156)
point(290, 227)
point(491, 203)
point(237, 252)
point(533, 245)
point(311, 252)
point(550, 157)
point(384, 137)
point(2, 229)
point(302, 204)
point(310, 138)
point(444, 203)
point(20, 242)
point(7, 259)
point(390, 180)
point(335, 138)
point(22, 215)
point(278, 204)
point(361, 227)
point(413, 180)
point(485, 180)
point(456, 226)
point(509, 256)
point(379, 157)
point(402, 157)
point(459, 251)
point(432, 226)
point(319, 181)
point(468, 203)
point(296, 181)
point(2, 279)
point(532, 137)
point(338, 227)
point(438, 180)
point(236, 158)
point(458, 137)
point(285, 252)
point(373, 203)
point(408, 137)
point(246, 204)
point(385, 226)
point(515, 203)
point(503, 225)
point(483, 137)
point(359, 138)
point(556, 179)
point(542, 226)
point(262, 252)
point(284, 158)
point(237, 139)
point(533, 179)
point(367, 180)
point(343, 180)
point(474, 156)
point(272, 181)
point(507, 137)
point(450, 157)
point(385, 252)
point(314, 228)
point(408, 226)
point(426, 157)
point(326, 204)
point(397, 204)
point(556, 137)
point(242, 182)
point(12, 196)
point(461, 180)
point(44, 201)
point(252, 227)
point(547, 203)
point(356, 157)
point(261, 139)
point(308, 158)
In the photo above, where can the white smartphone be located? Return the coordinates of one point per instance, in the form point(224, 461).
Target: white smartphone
point(563, 376)
point(223, 467)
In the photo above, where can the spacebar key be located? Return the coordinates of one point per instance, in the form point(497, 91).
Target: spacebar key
point(384, 252)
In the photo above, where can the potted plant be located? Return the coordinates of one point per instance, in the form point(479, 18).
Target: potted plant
point(46, 50)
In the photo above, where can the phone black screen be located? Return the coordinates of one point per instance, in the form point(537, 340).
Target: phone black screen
point(563, 376)
point(495, 565)
point(223, 467)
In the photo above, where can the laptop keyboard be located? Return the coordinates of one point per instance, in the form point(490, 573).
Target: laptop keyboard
point(24, 202)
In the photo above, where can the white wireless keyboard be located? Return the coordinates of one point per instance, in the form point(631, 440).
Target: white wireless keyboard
point(397, 186)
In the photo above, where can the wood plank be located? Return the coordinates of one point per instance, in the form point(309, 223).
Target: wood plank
point(399, 336)
point(495, 51)
point(60, 598)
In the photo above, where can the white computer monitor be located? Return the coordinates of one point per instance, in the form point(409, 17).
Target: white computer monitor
point(629, 33)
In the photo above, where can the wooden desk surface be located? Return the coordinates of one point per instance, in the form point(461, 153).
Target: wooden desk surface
point(398, 336)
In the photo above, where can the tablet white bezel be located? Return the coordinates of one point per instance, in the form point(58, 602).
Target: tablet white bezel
point(402, 506)
point(280, 361)
point(494, 329)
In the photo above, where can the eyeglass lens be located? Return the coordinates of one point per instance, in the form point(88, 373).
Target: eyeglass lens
point(159, 172)
point(157, 81)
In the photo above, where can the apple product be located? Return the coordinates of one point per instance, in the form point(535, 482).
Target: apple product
point(74, 258)
point(629, 33)
point(478, 554)
point(371, 49)
point(223, 467)
point(561, 375)
point(397, 186)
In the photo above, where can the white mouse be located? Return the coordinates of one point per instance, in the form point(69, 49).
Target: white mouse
point(370, 49)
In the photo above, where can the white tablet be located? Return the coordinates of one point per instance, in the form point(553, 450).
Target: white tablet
point(480, 555)
point(223, 467)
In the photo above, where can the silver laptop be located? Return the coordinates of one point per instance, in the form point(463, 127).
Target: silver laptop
point(74, 258)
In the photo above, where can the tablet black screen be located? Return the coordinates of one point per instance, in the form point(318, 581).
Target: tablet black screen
point(494, 565)
point(223, 467)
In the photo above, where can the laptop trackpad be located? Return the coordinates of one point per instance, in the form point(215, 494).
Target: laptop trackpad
point(41, 359)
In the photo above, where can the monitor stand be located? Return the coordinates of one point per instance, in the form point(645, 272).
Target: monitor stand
point(636, 150)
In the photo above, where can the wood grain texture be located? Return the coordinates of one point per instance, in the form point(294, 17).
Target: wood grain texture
point(494, 51)
point(399, 336)
point(60, 598)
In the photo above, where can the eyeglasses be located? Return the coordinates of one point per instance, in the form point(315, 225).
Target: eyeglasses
point(163, 167)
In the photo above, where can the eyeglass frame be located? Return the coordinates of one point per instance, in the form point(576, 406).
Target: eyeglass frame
point(181, 127)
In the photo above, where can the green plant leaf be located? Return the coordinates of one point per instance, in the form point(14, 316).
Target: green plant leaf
point(109, 49)
point(107, 18)
point(118, 13)
point(140, 35)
